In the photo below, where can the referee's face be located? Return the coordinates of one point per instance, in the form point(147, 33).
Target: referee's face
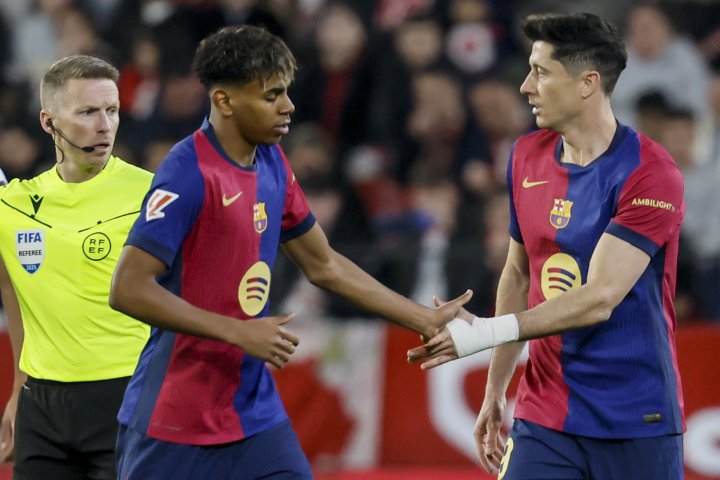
point(87, 115)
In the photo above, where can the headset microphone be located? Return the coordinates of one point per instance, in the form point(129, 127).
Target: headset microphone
point(86, 149)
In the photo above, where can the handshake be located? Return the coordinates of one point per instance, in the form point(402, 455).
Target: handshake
point(464, 335)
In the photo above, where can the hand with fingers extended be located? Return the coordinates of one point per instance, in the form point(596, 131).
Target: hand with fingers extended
point(266, 338)
point(440, 348)
point(464, 335)
point(445, 312)
point(7, 428)
point(488, 442)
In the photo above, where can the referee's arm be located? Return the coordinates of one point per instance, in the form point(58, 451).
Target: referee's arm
point(17, 334)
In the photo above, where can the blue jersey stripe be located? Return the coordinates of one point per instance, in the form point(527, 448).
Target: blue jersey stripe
point(151, 370)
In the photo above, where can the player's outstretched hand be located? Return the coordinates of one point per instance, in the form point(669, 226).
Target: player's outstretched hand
point(488, 442)
point(438, 350)
point(446, 311)
point(267, 339)
point(7, 428)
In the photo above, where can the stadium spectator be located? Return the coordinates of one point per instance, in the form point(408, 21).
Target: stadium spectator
point(660, 59)
point(701, 227)
point(498, 117)
point(334, 89)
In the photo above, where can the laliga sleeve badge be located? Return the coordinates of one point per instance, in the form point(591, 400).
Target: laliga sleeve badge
point(158, 201)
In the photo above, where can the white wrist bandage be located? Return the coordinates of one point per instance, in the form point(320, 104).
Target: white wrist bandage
point(484, 333)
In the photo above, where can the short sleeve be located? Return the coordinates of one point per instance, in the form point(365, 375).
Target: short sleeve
point(514, 228)
point(296, 218)
point(650, 206)
point(170, 208)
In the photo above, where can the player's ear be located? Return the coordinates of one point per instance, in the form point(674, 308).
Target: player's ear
point(221, 101)
point(591, 83)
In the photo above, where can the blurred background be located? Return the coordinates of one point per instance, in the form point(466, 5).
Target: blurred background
point(406, 111)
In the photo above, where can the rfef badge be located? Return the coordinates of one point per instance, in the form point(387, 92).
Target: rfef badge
point(30, 247)
point(560, 213)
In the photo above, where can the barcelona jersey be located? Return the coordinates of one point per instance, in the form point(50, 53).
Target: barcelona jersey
point(217, 226)
point(619, 378)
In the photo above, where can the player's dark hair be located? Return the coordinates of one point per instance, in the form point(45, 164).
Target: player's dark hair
point(581, 41)
point(74, 66)
point(242, 55)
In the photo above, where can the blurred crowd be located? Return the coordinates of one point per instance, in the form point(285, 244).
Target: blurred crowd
point(406, 112)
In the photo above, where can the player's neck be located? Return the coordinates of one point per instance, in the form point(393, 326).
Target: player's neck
point(234, 145)
point(589, 138)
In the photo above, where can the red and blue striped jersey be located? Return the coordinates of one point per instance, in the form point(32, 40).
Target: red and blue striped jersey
point(619, 378)
point(217, 226)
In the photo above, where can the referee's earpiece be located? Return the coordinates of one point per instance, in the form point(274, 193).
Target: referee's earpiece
point(49, 124)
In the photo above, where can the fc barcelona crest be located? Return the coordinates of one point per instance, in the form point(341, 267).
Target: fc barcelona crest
point(259, 217)
point(560, 213)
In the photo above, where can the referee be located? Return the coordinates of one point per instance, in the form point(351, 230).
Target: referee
point(60, 238)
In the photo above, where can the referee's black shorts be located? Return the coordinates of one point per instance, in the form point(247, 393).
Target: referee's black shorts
point(67, 430)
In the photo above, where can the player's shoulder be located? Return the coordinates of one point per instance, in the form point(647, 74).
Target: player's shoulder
point(180, 174)
point(182, 154)
point(655, 161)
point(181, 160)
point(656, 171)
point(653, 154)
point(537, 140)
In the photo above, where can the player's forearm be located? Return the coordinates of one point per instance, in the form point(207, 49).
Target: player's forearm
point(512, 297)
point(145, 300)
point(582, 307)
point(593, 303)
point(502, 367)
point(345, 279)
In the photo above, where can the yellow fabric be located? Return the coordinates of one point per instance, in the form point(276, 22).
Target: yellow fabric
point(60, 243)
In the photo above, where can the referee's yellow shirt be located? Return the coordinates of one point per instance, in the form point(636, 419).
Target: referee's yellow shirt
point(60, 243)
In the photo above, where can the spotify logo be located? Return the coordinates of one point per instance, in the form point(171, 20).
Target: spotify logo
point(254, 289)
point(560, 273)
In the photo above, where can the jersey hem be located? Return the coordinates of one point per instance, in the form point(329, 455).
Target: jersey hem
point(204, 439)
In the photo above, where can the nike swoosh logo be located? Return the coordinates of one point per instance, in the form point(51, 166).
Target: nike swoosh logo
point(528, 184)
point(228, 201)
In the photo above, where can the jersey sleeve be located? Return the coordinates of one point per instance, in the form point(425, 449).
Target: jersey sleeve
point(170, 208)
point(296, 218)
point(650, 207)
point(514, 228)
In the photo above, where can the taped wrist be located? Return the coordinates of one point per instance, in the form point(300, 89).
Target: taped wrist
point(484, 333)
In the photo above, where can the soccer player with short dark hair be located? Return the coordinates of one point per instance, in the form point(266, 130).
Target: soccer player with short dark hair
point(595, 222)
point(197, 267)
